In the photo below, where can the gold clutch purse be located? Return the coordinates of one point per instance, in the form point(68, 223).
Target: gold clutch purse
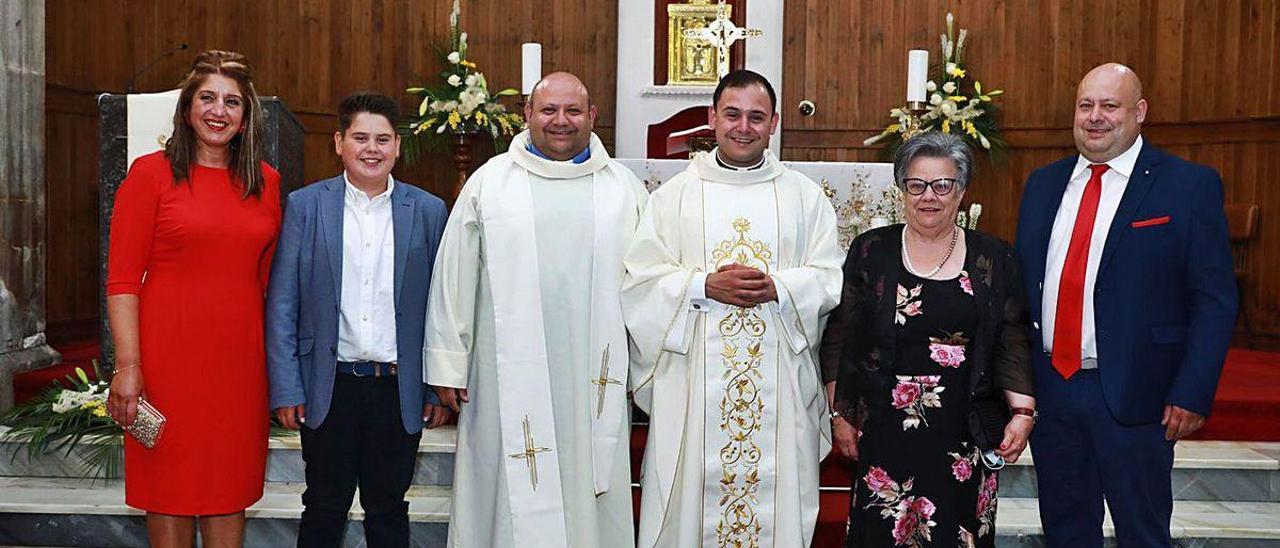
point(147, 425)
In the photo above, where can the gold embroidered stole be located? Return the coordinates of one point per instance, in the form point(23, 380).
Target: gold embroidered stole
point(741, 353)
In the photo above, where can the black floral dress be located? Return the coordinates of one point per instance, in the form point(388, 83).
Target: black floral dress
point(916, 362)
point(919, 481)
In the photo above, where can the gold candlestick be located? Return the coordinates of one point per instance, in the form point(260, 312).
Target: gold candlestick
point(915, 111)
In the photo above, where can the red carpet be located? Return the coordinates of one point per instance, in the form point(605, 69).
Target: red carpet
point(1245, 408)
point(75, 354)
point(1247, 405)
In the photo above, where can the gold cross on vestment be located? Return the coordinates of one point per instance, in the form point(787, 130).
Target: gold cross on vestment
point(721, 33)
point(530, 454)
point(603, 382)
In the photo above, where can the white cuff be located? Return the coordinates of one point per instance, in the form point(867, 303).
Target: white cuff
point(697, 294)
point(696, 302)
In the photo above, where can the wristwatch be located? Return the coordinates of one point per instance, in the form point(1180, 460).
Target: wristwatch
point(1026, 411)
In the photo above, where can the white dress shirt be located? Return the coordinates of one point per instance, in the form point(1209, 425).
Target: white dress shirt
point(1114, 181)
point(367, 318)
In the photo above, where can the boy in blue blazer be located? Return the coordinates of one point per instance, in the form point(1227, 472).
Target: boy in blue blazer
point(344, 329)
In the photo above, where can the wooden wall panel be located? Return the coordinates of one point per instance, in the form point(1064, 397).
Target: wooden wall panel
point(1208, 67)
point(1208, 70)
point(310, 53)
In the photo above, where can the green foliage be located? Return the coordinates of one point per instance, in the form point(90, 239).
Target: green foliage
point(45, 426)
point(461, 104)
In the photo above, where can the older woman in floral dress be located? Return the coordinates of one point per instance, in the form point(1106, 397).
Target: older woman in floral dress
point(934, 387)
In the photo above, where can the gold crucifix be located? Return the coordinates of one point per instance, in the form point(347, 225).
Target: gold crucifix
point(721, 33)
point(603, 382)
point(530, 454)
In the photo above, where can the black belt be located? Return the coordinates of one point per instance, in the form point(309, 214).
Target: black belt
point(368, 369)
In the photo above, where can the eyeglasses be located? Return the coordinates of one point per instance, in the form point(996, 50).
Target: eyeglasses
point(941, 187)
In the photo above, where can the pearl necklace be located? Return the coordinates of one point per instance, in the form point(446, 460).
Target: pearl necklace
point(955, 234)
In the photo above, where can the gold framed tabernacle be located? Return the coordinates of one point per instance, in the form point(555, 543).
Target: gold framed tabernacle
point(693, 61)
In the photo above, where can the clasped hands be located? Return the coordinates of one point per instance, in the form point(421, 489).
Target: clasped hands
point(740, 285)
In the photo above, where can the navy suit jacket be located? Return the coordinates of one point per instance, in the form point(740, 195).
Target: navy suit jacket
point(305, 293)
point(1165, 296)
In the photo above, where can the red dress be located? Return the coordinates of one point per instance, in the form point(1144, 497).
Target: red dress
point(198, 256)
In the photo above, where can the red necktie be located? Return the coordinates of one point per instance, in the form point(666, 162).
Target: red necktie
point(1069, 316)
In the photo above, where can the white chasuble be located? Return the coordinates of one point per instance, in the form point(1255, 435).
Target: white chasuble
point(542, 348)
point(737, 414)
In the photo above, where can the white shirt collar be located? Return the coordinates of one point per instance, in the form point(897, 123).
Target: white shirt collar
point(1122, 164)
point(732, 167)
point(353, 193)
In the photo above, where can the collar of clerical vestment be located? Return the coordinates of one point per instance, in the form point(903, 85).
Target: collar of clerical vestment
point(709, 166)
point(551, 169)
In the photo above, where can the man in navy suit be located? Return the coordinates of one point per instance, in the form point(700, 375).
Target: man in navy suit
point(1128, 270)
point(345, 321)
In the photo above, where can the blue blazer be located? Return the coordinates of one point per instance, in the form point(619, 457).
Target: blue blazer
point(1165, 296)
point(306, 288)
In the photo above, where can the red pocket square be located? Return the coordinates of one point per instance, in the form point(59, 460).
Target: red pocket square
point(1150, 222)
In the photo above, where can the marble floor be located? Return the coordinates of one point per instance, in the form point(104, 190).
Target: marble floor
point(1228, 496)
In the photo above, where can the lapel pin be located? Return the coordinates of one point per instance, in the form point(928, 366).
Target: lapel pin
point(1146, 172)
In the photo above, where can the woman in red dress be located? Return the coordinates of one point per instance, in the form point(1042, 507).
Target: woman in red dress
point(192, 235)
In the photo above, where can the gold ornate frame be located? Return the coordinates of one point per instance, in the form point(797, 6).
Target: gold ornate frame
point(691, 61)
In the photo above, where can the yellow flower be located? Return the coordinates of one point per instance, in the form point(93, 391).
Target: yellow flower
point(454, 120)
point(956, 71)
point(468, 64)
point(946, 126)
point(970, 129)
point(893, 128)
point(424, 126)
point(96, 407)
point(957, 98)
point(481, 118)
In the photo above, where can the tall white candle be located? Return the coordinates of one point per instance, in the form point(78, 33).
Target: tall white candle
point(531, 66)
point(917, 74)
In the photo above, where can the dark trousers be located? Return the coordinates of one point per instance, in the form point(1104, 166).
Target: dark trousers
point(362, 442)
point(1082, 455)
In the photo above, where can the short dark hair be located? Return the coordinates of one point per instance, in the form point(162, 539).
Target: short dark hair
point(742, 78)
point(934, 144)
point(367, 101)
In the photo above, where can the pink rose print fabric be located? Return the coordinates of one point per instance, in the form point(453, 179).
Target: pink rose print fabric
point(915, 393)
point(912, 516)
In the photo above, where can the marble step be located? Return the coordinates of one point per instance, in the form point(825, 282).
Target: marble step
point(284, 459)
point(70, 512)
point(1202, 471)
point(1198, 524)
point(76, 512)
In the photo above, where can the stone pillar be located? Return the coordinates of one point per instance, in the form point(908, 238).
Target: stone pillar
point(22, 194)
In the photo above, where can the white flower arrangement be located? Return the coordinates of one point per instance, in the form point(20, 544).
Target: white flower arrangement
point(954, 105)
point(463, 104)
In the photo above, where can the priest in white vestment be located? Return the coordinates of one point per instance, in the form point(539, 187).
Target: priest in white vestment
point(525, 324)
point(729, 281)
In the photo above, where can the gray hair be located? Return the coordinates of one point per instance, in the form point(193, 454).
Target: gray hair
point(934, 144)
